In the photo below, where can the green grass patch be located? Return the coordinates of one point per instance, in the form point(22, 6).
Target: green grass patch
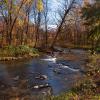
point(98, 49)
point(15, 51)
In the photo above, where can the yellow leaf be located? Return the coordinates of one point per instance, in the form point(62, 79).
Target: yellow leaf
point(39, 5)
point(20, 22)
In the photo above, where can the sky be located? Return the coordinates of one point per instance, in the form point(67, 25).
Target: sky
point(54, 4)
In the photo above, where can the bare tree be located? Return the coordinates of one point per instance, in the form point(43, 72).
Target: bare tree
point(67, 9)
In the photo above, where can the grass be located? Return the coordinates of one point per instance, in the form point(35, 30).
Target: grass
point(18, 51)
point(74, 96)
point(98, 49)
point(66, 96)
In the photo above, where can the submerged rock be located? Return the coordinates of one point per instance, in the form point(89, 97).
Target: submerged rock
point(41, 77)
point(57, 71)
point(36, 87)
point(16, 78)
point(43, 89)
point(44, 76)
point(41, 86)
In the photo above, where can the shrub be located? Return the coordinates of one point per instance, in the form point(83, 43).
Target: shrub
point(21, 50)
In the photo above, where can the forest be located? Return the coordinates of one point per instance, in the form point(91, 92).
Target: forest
point(24, 22)
point(52, 41)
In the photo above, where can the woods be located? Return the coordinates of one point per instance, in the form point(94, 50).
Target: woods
point(91, 15)
point(26, 22)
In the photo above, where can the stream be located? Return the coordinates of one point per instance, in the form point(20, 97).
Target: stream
point(52, 74)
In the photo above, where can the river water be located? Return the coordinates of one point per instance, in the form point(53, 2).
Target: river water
point(61, 74)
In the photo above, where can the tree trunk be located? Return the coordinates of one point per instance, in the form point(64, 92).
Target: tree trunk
point(60, 26)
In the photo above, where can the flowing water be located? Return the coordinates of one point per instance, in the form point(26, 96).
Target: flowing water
point(61, 74)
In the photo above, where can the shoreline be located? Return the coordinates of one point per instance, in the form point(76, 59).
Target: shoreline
point(10, 53)
point(18, 58)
